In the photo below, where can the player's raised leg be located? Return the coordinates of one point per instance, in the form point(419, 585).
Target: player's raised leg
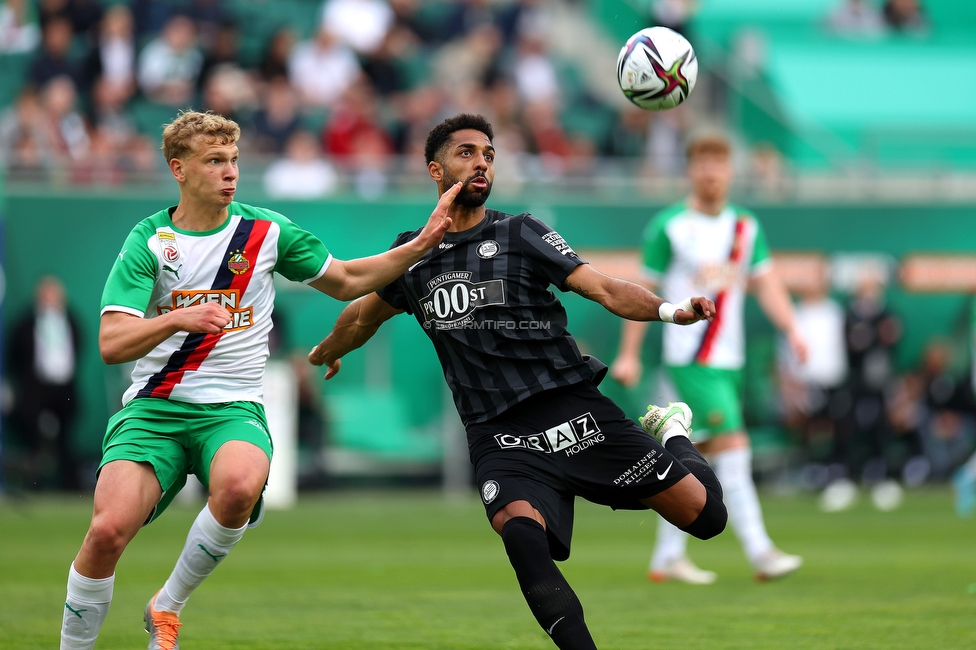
point(694, 506)
point(124, 498)
point(552, 601)
point(238, 473)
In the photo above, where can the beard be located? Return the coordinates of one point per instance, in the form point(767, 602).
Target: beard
point(468, 197)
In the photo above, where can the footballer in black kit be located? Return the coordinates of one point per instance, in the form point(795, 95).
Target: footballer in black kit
point(539, 431)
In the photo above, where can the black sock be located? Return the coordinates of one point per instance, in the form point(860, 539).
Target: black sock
point(714, 516)
point(549, 596)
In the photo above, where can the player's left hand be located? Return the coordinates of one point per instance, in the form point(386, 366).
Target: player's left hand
point(798, 345)
point(439, 222)
point(701, 309)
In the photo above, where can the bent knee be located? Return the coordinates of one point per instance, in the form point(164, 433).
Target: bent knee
point(109, 537)
point(711, 520)
point(515, 509)
point(238, 493)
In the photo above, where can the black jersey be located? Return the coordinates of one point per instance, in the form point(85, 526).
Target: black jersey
point(483, 298)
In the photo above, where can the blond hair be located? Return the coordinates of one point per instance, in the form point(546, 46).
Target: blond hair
point(708, 140)
point(179, 134)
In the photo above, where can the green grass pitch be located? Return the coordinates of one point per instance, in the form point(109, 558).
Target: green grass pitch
point(414, 571)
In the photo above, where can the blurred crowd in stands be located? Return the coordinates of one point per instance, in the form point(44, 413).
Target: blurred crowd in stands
point(363, 84)
point(339, 99)
point(857, 418)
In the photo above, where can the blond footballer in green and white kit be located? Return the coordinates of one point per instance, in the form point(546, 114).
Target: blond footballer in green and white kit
point(707, 246)
point(189, 299)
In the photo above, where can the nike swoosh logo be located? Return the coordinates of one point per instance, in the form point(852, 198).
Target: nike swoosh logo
point(122, 254)
point(549, 632)
point(661, 476)
point(415, 265)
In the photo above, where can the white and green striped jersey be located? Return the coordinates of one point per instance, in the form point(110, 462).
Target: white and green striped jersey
point(688, 253)
point(161, 268)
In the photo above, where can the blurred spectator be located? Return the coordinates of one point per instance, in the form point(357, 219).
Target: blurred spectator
point(274, 61)
point(321, 69)
point(418, 113)
point(113, 57)
point(871, 331)
point(856, 18)
point(227, 88)
point(534, 71)
point(20, 138)
point(427, 28)
point(359, 24)
point(546, 137)
point(303, 173)
point(937, 404)
point(169, 65)
point(667, 131)
point(48, 10)
point(62, 129)
point(370, 164)
point(520, 17)
point(19, 31)
point(223, 52)
point(354, 120)
point(466, 16)
point(385, 66)
point(19, 121)
point(54, 59)
point(42, 359)
point(227, 91)
point(119, 153)
point(210, 18)
point(85, 17)
point(469, 60)
point(150, 16)
point(108, 112)
point(276, 119)
point(905, 16)
point(814, 396)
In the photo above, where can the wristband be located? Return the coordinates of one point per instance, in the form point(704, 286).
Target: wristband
point(666, 311)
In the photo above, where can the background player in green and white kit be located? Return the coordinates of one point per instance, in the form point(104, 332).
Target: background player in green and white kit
point(706, 246)
point(189, 299)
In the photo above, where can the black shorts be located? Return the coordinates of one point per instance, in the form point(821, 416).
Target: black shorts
point(565, 443)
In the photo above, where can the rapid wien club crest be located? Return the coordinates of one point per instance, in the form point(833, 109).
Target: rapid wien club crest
point(238, 264)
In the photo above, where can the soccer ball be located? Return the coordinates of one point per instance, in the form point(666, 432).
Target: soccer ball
point(657, 68)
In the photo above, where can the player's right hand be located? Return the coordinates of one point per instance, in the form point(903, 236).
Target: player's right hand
point(627, 370)
point(317, 358)
point(206, 318)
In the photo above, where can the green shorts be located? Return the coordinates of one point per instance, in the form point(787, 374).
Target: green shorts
point(180, 438)
point(715, 398)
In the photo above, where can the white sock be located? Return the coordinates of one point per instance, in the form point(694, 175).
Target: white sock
point(671, 543)
point(733, 468)
point(206, 545)
point(85, 608)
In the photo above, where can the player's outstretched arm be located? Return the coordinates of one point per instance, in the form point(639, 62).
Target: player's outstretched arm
point(627, 368)
point(634, 302)
point(355, 278)
point(123, 337)
point(356, 324)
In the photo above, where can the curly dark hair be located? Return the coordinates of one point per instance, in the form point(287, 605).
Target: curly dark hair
point(441, 133)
